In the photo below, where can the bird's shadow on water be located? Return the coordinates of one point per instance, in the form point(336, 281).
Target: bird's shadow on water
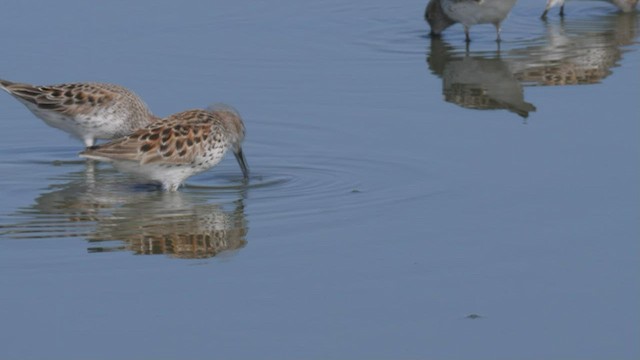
point(570, 52)
point(95, 203)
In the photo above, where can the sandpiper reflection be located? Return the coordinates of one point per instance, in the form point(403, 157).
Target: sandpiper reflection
point(96, 205)
point(173, 224)
point(477, 81)
point(572, 52)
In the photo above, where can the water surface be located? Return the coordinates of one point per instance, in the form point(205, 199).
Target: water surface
point(410, 198)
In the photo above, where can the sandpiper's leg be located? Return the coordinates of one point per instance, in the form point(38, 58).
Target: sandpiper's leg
point(170, 186)
point(466, 34)
point(89, 141)
point(497, 25)
point(90, 172)
point(562, 10)
point(546, 10)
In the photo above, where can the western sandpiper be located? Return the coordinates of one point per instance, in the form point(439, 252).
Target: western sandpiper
point(468, 13)
point(437, 19)
point(624, 5)
point(177, 147)
point(88, 111)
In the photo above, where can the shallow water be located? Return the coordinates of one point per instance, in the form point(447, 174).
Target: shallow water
point(409, 198)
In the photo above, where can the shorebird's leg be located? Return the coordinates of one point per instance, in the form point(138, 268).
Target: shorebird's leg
point(90, 172)
point(562, 10)
point(497, 25)
point(466, 34)
point(546, 10)
point(89, 141)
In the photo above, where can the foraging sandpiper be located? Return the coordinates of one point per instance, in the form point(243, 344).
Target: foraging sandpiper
point(88, 111)
point(177, 147)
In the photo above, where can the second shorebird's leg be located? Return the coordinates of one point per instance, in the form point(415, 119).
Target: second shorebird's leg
point(497, 25)
point(562, 10)
point(466, 34)
point(546, 9)
point(89, 141)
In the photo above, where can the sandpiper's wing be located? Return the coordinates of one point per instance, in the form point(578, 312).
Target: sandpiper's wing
point(64, 98)
point(178, 139)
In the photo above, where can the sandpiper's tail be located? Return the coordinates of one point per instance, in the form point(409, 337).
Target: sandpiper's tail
point(92, 152)
point(23, 92)
point(5, 83)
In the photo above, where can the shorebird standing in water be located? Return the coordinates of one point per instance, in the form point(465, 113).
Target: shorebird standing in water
point(624, 5)
point(441, 14)
point(437, 19)
point(88, 111)
point(172, 149)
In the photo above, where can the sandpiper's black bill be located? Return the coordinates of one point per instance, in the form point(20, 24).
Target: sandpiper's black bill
point(242, 162)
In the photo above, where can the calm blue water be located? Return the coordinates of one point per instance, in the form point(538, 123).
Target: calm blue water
point(399, 185)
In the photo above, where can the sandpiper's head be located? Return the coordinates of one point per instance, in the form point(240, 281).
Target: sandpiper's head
point(437, 19)
point(234, 127)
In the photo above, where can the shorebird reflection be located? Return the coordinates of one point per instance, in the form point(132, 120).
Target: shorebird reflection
point(173, 225)
point(572, 52)
point(96, 205)
point(476, 81)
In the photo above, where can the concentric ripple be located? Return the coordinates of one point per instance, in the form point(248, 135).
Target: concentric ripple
point(305, 190)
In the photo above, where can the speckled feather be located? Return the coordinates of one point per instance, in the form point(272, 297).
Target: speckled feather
point(193, 141)
point(86, 110)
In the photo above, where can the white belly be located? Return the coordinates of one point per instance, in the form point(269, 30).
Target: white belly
point(102, 124)
point(471, 12)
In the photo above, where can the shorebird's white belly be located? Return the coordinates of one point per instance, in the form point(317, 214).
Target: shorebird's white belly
point(56, 120)
point(172, 175)
point(163, 173)
point(102, 124)
point(473, 12)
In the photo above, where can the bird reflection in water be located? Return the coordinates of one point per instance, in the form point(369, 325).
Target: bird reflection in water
point(575, 52)
point(174, 226)
point(477, 81)
point(572, 52)
point(96, 205)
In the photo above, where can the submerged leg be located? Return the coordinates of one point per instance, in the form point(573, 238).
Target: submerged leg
point(171, 187)
point(546, 9)
point(90, 173)
point(544, 14)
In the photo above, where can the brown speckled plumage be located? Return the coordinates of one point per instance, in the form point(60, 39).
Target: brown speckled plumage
point(88, 111)
point(172, 149)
